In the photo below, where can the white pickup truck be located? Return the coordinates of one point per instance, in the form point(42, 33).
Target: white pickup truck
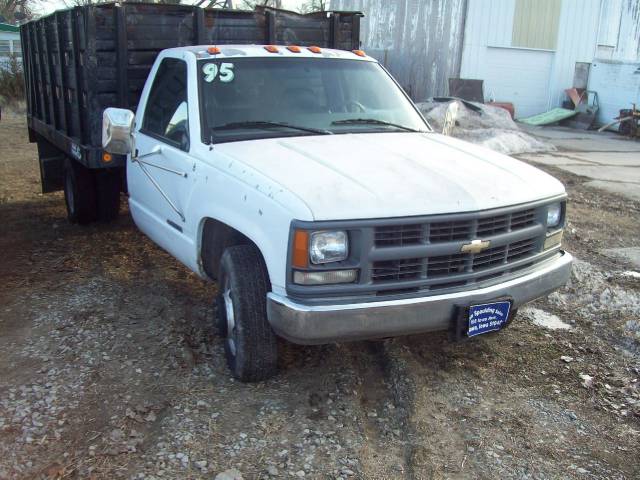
point(307, 184)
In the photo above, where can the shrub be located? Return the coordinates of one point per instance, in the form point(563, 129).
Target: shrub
point(11, 81)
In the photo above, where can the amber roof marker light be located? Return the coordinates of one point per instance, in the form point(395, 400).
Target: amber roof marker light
point(314, 49)
point(213, 50)
point(294, 48)
point(271, 48)
point(360, 53)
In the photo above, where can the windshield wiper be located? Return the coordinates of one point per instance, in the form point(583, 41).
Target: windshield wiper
point(268, 124)
point(371, 121)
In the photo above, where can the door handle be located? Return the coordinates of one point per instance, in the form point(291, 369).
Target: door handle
point(157, 150)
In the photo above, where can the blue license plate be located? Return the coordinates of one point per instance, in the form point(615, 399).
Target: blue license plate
point(487, 317)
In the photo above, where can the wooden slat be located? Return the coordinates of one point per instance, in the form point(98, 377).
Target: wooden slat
point(76, 88)
point(44, 114)
point(121, 55)
point(61, 88)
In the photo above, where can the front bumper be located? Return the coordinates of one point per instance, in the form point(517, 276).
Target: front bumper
point(318, 324)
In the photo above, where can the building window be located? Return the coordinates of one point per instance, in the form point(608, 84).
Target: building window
point(610, 23)
point(535, 24)
point(17, 47)
point(5, 48)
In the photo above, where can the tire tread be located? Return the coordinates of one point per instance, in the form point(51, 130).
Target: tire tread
point(259, 355)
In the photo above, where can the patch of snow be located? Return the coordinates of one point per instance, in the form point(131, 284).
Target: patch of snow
point(545, 319)
point(631, 274)
point(491, 127)
point(633, 327)
point(590, 293)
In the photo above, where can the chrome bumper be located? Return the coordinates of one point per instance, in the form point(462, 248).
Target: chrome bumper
point(317, 324)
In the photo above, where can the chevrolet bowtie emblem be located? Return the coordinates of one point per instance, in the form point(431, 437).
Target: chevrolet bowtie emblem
point(476, 246)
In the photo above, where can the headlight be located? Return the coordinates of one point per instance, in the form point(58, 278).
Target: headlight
point(554, 214)
point(326, 247)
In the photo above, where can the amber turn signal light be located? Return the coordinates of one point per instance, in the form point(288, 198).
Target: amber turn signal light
point(106, 157)
point(301, 249)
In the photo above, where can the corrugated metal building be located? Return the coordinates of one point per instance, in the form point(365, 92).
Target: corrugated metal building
point(409, 37)
point(526, 51)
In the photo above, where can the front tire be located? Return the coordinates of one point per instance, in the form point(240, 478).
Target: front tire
point(250, 343)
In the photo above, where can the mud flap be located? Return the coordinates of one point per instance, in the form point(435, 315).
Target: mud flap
point(52, 173)
point(51, 161)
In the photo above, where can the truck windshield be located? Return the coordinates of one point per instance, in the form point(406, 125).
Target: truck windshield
point(250, 98)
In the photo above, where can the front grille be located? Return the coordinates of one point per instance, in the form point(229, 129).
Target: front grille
point(398, 236)
point(449, 231)
point(520, 249)
point(523, 219)
point(492, 225)
point(453, 230)
point(423, 255)
point(386, 271)
point(446, 267)
point(489, 258)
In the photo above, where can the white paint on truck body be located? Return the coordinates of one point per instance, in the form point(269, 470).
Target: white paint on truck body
point(259, 187)
point(382, 175)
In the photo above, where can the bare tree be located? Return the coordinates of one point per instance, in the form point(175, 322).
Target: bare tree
point(251, 4)
point(75, 3)
point(13, 11)
point(80, 3)
point(309, 6)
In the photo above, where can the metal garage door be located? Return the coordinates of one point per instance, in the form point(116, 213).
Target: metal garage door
point(520, 76)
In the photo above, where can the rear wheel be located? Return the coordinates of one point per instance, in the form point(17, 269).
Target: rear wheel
point(79, 193)
point(250, 343)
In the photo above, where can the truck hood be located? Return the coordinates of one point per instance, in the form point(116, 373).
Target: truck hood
point(376, 175)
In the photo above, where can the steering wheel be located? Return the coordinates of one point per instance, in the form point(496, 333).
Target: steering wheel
point(353, 103)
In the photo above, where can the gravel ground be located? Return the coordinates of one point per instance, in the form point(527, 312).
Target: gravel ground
point(110, 367)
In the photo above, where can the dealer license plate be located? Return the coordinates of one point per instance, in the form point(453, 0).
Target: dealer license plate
point(487, 317)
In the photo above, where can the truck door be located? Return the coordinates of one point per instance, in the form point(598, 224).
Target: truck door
point(158, 174)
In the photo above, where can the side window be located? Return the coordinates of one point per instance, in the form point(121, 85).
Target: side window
point(166, 115)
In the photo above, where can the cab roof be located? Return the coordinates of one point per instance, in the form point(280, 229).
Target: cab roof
point(201, 52)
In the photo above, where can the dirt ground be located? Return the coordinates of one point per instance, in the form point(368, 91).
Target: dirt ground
point(110, 367)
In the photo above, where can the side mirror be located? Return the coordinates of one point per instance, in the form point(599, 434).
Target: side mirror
point(117, 130)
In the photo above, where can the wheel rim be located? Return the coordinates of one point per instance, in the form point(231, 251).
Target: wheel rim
point(68, 191)
point(231, 321)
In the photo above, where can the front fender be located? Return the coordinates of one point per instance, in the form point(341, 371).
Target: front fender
point(253, 206)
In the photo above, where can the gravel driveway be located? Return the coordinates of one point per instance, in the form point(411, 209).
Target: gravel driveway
point(110, 367)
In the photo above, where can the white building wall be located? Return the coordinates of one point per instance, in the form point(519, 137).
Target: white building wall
point(615, 72)
point(577, 36)
point(488, 23)
point(487, 53)
point(619, 34)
